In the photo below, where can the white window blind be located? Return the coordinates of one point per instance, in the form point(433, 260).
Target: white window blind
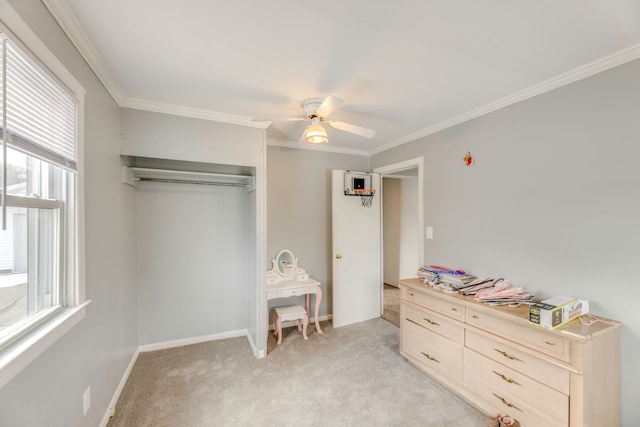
point(40, 112)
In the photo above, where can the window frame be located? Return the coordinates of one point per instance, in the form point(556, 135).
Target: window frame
point(23, 326)
point(26, 347)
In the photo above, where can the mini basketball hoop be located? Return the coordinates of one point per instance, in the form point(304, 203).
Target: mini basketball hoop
point(366, 196)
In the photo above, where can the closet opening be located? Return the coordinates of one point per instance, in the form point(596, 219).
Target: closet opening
point(196, 240)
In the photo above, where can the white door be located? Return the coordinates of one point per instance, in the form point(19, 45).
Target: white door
point(357, 286)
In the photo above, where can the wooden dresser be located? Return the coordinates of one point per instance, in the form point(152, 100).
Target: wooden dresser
point(500, 363)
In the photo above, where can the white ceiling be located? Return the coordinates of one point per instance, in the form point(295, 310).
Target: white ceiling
point(404, 68)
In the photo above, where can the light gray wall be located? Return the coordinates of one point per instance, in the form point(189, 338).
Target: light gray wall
point(96, 352)
point(255, 298)
point(391, 230)
point(299, 209)
point(551, 202)
point(158, 135)
point(193, 265)
point(410, 235)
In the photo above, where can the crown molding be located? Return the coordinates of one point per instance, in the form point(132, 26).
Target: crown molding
point(196, 113)
point(579, 73)
point(315, 147)
point(69, 23)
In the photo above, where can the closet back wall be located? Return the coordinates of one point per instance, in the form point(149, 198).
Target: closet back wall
point(191, 240)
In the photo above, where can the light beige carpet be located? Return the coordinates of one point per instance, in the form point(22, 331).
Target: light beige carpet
point(349, 376)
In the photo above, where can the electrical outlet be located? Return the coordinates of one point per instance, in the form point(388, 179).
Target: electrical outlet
point(86, 400)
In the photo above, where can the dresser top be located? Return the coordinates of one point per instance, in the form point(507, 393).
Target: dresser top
point(572, 330)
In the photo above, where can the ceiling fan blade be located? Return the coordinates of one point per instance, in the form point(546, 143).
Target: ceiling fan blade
point(358, 130)
point(328, 106)
point(303, 137)
point(286, 119)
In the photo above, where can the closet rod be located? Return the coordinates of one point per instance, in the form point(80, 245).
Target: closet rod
point(186, 173)
point(183, 181)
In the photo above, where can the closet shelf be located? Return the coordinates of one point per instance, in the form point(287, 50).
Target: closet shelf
point(133, 174)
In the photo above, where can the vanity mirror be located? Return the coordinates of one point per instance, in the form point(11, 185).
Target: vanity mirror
point(285, 267)
point(285, 262)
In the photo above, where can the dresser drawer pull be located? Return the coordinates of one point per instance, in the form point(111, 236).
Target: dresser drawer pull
point(507, 355)
point(507, 379)
point(550, 343)
point(475, 316)
point(431, 321)
point(429, 357)
point(411, 293)
point(454, 309)
point(510, 405)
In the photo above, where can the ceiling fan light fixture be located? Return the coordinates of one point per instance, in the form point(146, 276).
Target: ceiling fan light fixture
point(316, 134)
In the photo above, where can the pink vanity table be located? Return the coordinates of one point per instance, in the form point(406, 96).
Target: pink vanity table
point(286, 279)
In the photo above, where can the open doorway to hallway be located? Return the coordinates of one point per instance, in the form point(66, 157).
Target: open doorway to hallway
point(401, 230)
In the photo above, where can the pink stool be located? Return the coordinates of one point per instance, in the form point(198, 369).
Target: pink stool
point(291, 312)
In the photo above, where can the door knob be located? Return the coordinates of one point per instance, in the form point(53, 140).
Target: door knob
point(338, 256)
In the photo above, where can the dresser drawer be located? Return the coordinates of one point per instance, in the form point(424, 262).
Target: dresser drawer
point(435, 322)
point(507, 403)
point(527, 336)
point(544, 372)
point(448, 308)
point(433, 351)
point(519, 385)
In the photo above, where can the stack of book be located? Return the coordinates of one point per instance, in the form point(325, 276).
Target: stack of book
point(432, 274)
point(457, 280)
point(428, 275)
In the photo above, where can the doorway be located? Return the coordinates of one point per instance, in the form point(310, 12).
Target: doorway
point(401, 230)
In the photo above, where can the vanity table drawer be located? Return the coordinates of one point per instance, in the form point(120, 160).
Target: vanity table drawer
point(527, 336)
point(433, 351)
point(292, 291)
point(436, 323)
point(286, 293)
point(443, 306)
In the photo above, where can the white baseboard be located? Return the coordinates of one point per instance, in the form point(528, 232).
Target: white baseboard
point(258, 354)
point(116, 395)
point(194, 340)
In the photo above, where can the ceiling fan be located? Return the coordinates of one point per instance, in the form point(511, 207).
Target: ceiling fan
point(316, 111)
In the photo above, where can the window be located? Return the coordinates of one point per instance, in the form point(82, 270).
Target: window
point(38, 259)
